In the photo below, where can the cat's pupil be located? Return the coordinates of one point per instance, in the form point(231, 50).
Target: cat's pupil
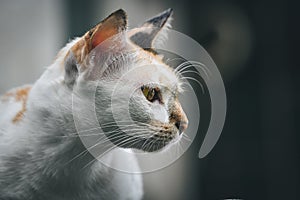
point(152, 94)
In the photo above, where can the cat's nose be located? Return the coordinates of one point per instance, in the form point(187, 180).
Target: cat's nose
point(179, 118)
point(181, 126)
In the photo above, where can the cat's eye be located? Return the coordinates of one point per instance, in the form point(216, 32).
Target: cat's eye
point(151, 94)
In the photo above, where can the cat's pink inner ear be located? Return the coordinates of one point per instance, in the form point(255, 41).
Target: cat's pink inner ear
point(101, 35)
point(112, 25)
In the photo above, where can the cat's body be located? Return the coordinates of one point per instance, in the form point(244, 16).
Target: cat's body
point(35, 154)
point(40, 149)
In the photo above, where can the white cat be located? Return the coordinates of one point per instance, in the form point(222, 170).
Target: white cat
point(40, 151)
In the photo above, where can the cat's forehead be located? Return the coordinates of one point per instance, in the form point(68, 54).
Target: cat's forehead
point(149, 68)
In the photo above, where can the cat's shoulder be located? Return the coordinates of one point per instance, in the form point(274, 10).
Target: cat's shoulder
point(13, 104)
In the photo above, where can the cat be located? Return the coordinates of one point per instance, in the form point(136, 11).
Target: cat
point(40, 149)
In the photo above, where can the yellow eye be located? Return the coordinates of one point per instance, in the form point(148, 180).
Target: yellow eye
point(145, 90)
point(151, 94)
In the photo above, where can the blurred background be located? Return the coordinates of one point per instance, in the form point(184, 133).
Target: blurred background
point(255, 46)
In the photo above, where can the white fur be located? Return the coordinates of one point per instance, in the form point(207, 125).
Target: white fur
point(160, 113)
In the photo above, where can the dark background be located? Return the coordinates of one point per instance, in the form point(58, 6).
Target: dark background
point(255, 45)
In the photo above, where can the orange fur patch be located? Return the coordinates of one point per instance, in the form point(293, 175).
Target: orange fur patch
point(177, 114)
point(19, 95)
point(80, 50)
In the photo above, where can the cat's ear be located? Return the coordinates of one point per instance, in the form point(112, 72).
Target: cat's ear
point(114, 24)
point(152, 30)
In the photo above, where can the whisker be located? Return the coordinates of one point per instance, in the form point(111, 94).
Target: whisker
point(188, 64)
point(102, 142)
point(76, 134)
point(186, 137)
point(174, 59)
point(177, 69)
point(191, 71)
point(78, 155)
point(193, 79)
point(114, 146)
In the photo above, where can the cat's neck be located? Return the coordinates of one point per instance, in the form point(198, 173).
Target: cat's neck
point(50, 127)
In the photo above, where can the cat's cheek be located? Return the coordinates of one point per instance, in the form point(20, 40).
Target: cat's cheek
point(159, 113)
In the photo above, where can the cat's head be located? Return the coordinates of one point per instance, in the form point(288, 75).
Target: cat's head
point(136, 98)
